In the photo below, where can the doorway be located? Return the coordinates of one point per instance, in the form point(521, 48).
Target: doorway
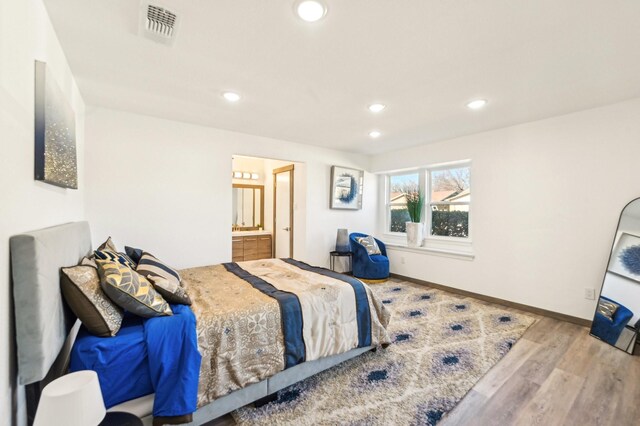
point(283, 211)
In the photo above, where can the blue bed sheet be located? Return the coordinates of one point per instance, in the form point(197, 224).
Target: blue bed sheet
point(147, 355)
point(120, 361)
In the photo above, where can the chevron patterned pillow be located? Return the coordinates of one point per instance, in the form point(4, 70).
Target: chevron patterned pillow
point(107, 254)
point(130, 290)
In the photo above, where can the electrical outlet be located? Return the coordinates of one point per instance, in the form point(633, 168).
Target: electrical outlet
point(590, 293)
point(402, 260)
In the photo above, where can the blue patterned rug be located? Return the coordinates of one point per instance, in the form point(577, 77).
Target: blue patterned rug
point(442, 345)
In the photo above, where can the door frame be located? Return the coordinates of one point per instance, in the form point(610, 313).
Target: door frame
point(286, 169)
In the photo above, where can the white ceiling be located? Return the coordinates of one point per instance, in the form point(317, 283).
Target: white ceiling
point(311, 83)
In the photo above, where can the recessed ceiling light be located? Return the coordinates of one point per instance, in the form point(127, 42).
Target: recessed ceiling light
point(477, 104)
point(311, 10)
point(377, 107)
point(231, 96)
point(374, 134)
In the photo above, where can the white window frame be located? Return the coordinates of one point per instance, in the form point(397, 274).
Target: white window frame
point(420, 173)
point(432, 242)
point(429, 202)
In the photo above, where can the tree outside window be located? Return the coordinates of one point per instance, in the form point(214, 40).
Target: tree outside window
point(449, 200)
point(399, 187)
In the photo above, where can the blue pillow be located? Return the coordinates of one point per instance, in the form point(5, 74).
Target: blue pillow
point(134, 253)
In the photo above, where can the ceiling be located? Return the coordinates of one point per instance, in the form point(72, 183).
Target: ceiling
point(311, 83)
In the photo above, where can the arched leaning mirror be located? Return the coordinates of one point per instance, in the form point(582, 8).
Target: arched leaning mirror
point(617, 317)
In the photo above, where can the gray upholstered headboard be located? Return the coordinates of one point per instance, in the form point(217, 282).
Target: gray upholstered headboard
point(42, 320)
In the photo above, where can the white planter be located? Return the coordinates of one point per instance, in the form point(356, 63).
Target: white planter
point(414, 234)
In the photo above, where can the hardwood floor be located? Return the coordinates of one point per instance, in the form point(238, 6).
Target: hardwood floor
point(555, 375)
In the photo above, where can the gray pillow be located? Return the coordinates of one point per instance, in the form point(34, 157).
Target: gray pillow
point(607, 309)
point(81, 289)
point(370, 244)
point(172, 293)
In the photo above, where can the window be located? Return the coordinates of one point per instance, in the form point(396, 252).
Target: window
point(399, 187)
point(447, 200)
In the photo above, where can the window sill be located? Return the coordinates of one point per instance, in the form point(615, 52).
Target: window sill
point(455, 254)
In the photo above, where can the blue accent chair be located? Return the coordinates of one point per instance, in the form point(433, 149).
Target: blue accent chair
point(375, 267)
point(608, 330)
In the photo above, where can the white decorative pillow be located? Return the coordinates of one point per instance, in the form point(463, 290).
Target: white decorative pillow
point(370, 244)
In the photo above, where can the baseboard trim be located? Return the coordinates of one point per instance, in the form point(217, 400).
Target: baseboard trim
point(497, 301)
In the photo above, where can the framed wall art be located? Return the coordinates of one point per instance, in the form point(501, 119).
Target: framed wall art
point(55, 132)
point(625, 259)
point(346, 188)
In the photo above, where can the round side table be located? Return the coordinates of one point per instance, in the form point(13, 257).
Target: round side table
point(335, 254)
point(120, 418)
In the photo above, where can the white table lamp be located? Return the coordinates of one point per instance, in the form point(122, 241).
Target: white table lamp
point(72, 400)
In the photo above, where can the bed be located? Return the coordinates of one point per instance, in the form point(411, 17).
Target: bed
point(261, 325)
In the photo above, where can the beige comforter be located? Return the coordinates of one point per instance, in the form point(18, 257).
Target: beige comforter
point(239, 328)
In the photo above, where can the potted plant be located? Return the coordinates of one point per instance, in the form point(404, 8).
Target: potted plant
point(415, 201)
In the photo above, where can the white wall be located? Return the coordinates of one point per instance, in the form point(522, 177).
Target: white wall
point(546, 200)
point(26, 35)
point(165, 186)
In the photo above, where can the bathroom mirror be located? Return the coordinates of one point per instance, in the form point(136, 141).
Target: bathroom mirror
point(617, 317)
point(248, 207)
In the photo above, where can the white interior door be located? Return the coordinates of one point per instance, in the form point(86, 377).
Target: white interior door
point(282, 213)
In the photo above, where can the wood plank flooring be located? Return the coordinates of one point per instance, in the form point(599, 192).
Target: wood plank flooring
point(555, 375)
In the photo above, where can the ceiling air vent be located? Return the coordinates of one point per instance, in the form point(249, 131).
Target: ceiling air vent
point(158, 23)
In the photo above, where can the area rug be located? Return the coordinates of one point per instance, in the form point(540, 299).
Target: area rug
point(442, 345)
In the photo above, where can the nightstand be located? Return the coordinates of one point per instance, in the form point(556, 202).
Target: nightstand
point(119, 418)
point(335, 254)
